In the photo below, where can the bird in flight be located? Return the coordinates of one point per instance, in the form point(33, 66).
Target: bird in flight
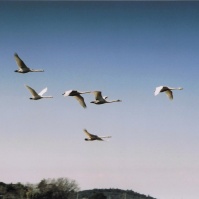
point(92, 137)
point(35, 95)
point(101, 100)
point(167, 90)
point(77, 95)
point(22, 66)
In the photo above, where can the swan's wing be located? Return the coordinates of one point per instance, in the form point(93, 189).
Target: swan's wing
point(67, 93)
point(32, 91)
point(169, 93)
point(98, 95)
point(80, 99)
point(20, 63)
point(157, 90)
point(88, 134)
point(43, 91)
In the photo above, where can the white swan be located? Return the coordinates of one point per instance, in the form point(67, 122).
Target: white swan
point(92, 137)
point(77, 96)
point(36, 96)
point(101, 100)
point(167, 90)
point(22, 66)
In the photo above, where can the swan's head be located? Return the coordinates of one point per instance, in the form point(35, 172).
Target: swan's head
point(180, 88)
point(86, 139)
point(31, 98)
point(92, 102)
point(16, 71)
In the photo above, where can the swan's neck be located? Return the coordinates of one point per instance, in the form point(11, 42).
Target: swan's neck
point(176, 88)
point(113, 101)
point(36, 70)
point(47, 96)
point(85, 92)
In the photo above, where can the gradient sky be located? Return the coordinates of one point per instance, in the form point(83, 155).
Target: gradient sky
point(124, 49)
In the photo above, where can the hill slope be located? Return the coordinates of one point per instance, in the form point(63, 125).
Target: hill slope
point(112, 194)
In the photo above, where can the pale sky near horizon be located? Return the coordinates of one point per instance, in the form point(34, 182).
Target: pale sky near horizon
point(124, 49)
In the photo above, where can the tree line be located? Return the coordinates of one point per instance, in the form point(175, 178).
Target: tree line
point(62, 188)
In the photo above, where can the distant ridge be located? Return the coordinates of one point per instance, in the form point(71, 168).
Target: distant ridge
point(112, 194)
point(63, 188)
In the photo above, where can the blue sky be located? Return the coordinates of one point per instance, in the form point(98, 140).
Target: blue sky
point(124, 49)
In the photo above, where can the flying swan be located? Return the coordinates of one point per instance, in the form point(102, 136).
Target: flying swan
point(77, 95)
point(22, 66)
point(167, 90)
point(101, 100)
point(92, 137)
point(36, 96)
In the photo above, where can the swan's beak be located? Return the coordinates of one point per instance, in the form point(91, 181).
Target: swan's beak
point(63, 93)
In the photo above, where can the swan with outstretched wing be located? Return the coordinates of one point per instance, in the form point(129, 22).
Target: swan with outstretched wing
point(22, 66)
point(92, 137)
point(77, 95)
point(167, 90)
point(101, 100)
point(35, 95)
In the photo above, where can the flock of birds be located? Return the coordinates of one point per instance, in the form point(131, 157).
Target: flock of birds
point(99, 99)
